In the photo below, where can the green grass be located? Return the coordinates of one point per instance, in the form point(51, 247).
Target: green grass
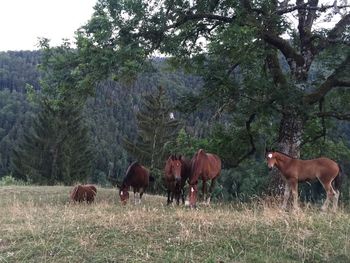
point(38, 224)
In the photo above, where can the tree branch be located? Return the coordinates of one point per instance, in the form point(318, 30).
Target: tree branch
point(198, 16)
point(306, 6)
point(251, 141)
point(275, 70)
point(288, 51)
point(339, 28)
point(334, 80)
point(334, 114)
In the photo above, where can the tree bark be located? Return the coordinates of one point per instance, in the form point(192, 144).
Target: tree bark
point(289, 141)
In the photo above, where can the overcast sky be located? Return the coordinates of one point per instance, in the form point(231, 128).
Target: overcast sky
point(23, 21)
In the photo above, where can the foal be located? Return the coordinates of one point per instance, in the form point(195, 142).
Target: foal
point(296, 170)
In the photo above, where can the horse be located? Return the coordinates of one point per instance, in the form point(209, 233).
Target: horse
point(137, 177)
point(177, 170)
point(296, 170)
point(204, 166)
point(81, 193)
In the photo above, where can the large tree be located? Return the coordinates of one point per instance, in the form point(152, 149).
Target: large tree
point(273, 64)
point(56, 148)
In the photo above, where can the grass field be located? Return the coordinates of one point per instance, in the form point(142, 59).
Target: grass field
point(38, 224)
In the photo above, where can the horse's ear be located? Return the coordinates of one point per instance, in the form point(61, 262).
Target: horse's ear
point(180, 156)
point(118, 185)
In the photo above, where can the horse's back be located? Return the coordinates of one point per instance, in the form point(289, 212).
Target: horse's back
point(206, 165)
point(140, 177)
point(319, 167)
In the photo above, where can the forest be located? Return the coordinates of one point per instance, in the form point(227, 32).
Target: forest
point(226, 82)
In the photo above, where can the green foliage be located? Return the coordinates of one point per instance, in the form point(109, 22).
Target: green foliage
point(54, 150)
point(156, 129)
point(10, 180)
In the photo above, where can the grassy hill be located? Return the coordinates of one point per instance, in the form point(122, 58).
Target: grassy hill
point(38, 224)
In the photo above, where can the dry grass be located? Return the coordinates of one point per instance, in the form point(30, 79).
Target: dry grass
point(38, 224)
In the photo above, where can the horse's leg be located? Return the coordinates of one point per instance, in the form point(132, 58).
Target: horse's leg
point(212, 185)
point(204, 190)
point(286, 195)
point(183, 195)
point(172, 196)
point(335, 200)
point(178, 193)
point(134, 196)
point(140, 195)
point(294, 188)
point(330, 195)
point(168, 201)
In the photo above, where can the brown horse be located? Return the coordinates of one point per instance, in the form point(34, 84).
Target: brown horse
point(137, 177)
point(296, 170)
point(177, 171)
point(204, 166)
point(81, 193)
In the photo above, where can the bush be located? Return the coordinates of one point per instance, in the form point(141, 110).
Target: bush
point(9, 180)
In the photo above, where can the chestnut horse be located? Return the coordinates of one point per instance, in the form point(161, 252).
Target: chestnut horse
point(177, 171)
point(295, 170)
point(82, 193)
point(137, 177)
point(204, 166)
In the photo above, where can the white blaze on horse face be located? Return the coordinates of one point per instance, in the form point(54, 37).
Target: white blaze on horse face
point(269, 155)
point(192, 189)
point(121, 192)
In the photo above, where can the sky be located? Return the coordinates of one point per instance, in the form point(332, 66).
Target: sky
point(22, 22)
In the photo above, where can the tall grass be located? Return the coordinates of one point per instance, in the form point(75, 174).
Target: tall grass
point(39, 224)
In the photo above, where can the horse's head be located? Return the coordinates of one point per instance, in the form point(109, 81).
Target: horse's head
point(124, 195)
point(175, 167)
point(193, 195)
point(270, 159)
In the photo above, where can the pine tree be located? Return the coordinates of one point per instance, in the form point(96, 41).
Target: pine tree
point(156, 128)
point(55, 149)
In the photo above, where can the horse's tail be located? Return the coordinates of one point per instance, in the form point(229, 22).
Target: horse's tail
point(338, 180)
point(73, 194)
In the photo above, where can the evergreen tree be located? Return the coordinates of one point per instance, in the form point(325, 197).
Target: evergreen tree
point(54, 150)
point(156, 128)
point(57, 150)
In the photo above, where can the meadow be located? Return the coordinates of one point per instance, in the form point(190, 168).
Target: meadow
point(39, 224)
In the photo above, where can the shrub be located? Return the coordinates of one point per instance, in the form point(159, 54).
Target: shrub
point(9, 180)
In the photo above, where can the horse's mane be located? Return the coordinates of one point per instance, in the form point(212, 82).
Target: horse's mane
point(285, 154)
point(130, 170)
point(194, 162)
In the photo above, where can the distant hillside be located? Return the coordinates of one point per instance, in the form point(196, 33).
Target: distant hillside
point(110, 114)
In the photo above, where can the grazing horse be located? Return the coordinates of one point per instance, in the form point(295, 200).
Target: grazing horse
point(137, 177)
point(204, 166)
point(82, 193)
point(296, 170)
point(177, 171)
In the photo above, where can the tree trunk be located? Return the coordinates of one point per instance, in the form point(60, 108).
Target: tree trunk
point(289, 141)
